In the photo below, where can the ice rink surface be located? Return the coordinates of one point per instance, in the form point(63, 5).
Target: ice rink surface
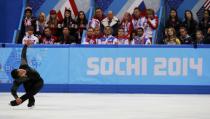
point(108, 106)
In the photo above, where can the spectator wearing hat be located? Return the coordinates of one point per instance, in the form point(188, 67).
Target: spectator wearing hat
point(53, 22)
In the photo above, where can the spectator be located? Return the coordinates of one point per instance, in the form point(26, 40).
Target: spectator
point(173, 20)
point(47, 37)
point(81, 23)
point(70, 23)
point(99, 14)
point(107, 38)
point(133, 35)
point(204, 24)
point(127, 24)
point(199, 39)
point(165, 35)
point(140, 38)
point(190, 24)
point(184, 36)
point(30, 36)
point(28, 21)
point(90, 38)
point(137, 19)
point(122, 38)
point(171, 38)
point(66, 37)
point(207, 37)
point(98, 33)
point(111, 21)
point(41, 24)
point(93, 23)
point(53, 23)
point(152, 23)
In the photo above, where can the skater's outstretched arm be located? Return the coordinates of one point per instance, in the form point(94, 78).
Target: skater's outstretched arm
point(23, 56)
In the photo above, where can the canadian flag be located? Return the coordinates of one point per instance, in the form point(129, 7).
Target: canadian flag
point(68, 4)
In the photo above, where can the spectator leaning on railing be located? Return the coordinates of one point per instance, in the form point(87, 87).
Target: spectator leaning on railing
point(90, 37)
point(30, 36)
point(199, 37)
point(108, 38)
point(48, 37)
point(171, 38)
point(140, 38)
point(184, 36)
point(66, 37)
point(122, 38)
point(207, 37)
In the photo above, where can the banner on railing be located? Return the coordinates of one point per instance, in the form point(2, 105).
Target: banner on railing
point(132, 66)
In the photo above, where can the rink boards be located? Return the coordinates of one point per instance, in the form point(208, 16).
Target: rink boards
point(113, 69)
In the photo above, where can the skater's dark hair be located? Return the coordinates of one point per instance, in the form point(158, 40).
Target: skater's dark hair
point(14, 74)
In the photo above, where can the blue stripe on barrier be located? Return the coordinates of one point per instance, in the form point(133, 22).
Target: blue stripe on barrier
point(150, 89)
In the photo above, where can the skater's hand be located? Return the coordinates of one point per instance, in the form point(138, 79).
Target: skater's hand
point(18, 101)
point(28, 42)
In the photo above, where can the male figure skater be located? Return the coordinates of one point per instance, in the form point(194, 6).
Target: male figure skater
point(27, 76)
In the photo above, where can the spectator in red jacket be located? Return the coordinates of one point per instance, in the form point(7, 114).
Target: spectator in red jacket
point(122, 38)
point(47, 37)
point(99, 14)
point(90, 38)
point(98, 33)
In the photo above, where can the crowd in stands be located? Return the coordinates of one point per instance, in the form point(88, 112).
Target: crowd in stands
point(189, 31)
point(132, 29)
